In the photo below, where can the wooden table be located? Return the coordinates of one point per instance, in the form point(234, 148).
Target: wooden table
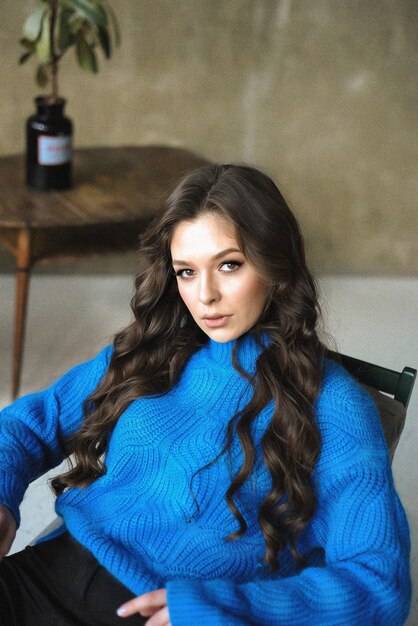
point(116, 191)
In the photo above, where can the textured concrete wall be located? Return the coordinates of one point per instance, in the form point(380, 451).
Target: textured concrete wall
point(320, 94)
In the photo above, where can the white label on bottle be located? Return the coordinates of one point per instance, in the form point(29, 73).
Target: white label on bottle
point(54, 150)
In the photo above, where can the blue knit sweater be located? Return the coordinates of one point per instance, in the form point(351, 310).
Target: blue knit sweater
point(141, 521)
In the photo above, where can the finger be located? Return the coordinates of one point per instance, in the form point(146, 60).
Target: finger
point(161, 618)
point(147, 604)
point(6, 542)
point(7, 530)
point(134, 606)
point(7, 536)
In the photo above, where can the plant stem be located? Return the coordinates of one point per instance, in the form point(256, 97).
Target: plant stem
point(53, 10)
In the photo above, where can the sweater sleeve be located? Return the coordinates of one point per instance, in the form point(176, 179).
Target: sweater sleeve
point(33, 429)
point(362, 530)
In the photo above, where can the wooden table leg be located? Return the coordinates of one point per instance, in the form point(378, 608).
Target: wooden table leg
point(23, 267)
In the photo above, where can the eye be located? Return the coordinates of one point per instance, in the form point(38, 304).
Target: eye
point(185, 274)
point(230, 266)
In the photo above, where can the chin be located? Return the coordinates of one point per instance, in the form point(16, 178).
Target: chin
point(222, 335)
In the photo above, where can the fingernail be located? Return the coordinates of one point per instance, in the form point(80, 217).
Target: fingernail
point(122, 611)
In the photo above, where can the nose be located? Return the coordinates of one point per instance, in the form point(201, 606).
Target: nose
point(208, 290)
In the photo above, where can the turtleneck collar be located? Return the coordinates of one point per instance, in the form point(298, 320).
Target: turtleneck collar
point(248, 351)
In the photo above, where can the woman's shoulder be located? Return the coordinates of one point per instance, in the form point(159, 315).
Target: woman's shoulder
point(91, 368)
point(347, 416)
point(80, 381)
point(340, 390)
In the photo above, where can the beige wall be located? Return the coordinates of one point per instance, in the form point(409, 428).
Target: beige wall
point(321, 94)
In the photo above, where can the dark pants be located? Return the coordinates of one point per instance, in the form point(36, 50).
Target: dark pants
point(60, 583)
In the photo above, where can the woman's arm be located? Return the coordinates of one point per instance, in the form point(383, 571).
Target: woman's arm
point(361, 527)
point(34, 427)
point(364, 581)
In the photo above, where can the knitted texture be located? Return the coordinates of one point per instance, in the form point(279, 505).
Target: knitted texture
point(154, 520)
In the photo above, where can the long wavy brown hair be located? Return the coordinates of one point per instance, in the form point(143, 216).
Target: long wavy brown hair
point(149, 354)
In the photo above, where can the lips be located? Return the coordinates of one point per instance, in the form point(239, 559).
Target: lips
point(216, 321)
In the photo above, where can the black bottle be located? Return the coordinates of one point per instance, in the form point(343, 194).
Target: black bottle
point(49, 146)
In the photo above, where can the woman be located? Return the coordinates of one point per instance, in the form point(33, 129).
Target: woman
point(224, 471)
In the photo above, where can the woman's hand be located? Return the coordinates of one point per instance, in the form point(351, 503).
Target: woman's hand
point(8, 528)
point(153, 603)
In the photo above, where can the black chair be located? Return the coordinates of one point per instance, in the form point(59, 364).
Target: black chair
point(378, 382)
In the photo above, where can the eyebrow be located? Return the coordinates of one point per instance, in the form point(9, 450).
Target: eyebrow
point(214, 258)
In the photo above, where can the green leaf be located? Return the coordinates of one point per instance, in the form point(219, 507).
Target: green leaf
point(29, 45)
point(104, 40)
point(90, 11)
point(43, 44)
point(86, 55)
point(42, 76)
point(33, 24)
point(64, 36)
point(114, 21)
point(25, 57)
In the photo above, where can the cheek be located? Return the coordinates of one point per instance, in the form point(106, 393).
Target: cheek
point(253, 294)
point(186, 294)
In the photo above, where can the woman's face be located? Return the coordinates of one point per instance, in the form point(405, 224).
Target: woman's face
point(222, 290)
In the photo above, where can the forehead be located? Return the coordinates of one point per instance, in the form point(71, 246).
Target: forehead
point(205, 235)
